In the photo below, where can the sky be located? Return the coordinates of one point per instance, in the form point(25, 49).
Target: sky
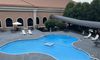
point(83, 0)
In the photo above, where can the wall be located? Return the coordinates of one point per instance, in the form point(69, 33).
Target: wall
point(24, 15)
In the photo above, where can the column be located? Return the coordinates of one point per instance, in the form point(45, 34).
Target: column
point(34, 16)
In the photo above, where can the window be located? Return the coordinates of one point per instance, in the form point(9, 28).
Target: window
point(9, 22)
point(37, 20)
point(44, 20)
point(30, 22)
point(21, 21)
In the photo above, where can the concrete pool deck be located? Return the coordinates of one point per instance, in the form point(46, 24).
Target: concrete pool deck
point(85, 44)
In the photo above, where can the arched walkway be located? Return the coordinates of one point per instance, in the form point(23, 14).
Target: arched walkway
point(37, 20)
point(9, 22)
point(21, 21)
point(30, 22)
point(44, 20)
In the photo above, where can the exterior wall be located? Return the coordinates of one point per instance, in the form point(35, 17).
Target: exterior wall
point(41, 15)
point(14, 15)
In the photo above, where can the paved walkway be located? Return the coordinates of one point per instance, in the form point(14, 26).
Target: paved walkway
point(88, 46)
point(84, 44)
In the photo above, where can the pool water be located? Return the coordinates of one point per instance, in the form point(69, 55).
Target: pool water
point(61, 50)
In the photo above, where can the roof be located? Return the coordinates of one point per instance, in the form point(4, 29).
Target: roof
point(49, 3)
point(35, 3)
point(13, 3)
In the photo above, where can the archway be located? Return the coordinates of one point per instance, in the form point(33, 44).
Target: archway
point(30, 22)
point(44, 20)
point(37, 20)
point(9, 22)
point(21, 21)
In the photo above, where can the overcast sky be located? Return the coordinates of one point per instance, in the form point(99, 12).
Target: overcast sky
point(83, 0)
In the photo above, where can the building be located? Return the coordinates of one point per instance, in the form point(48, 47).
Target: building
point(30, 13)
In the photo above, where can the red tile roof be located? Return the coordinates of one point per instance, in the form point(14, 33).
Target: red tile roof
point(35, 3)
point(13, 3)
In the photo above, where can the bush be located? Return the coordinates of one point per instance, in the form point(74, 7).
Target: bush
point(50, 24)
point(61, 25)
point(53, 24)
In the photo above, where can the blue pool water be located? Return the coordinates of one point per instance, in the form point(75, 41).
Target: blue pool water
point(61, 50)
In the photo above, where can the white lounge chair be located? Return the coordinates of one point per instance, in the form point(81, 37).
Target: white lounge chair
point(95, 38)
point(89, 35)
point(23, 32)
point(30, 32)
point(48, 44)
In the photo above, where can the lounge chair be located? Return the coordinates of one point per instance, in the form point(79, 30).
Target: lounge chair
point(30, 32)
point(23, 32)
point(48, 44)
point(95, 38)
point(89, 35)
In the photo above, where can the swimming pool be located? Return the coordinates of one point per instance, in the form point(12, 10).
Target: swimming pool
point(61, 50)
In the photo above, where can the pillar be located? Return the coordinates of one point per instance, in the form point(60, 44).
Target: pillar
point(34, 20)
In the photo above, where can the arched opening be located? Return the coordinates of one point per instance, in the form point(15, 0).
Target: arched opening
point(21, 21)
point(37, 20)
point(44, 20)
point(9, 22)
point(0, 23)
point(30, 22)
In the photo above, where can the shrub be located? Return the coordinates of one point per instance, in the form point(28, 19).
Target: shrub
point(50, 24)
point(61, 25)
point(55, 24)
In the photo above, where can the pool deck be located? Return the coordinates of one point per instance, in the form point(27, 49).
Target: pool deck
point(84, 44)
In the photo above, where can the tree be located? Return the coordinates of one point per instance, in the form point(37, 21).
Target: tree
point(84, 11)
point(80, 11)
point(77, 11)
point(68, 9)
point(95, 10)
